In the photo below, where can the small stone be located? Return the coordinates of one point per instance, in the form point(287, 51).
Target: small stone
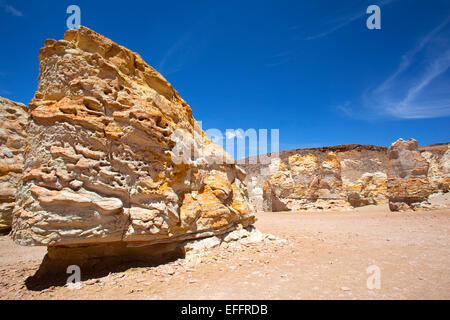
point(91, 282)
point(271, 237)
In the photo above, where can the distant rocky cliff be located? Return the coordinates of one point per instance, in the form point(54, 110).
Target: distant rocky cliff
point(345, 176)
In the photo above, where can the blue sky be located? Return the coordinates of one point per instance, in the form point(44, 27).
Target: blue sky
point(308, 68)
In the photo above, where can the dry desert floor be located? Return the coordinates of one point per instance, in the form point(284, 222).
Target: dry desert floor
point(325, 256)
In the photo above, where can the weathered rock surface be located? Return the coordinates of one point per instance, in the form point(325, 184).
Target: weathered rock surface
point(13, 122)
point(114, 155)
point(408, 184)
point(333, 178)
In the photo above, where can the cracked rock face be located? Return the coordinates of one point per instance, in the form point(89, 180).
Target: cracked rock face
point(13, 122)
point(114, 154)
point(408, 184)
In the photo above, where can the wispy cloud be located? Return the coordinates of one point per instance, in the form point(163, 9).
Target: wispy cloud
point(345, 16)
point(417, 89)
point(336, 24)
point(10, 9)
point(411, 106)
point(281, 58)
point(171, 52)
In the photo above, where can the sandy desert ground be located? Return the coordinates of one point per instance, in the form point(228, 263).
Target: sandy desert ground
point(325, 256)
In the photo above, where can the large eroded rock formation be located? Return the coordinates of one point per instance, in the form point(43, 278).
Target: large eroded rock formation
point(13, 123)
point(109, 157)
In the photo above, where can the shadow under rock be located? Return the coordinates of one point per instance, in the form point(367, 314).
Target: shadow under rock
point(5, 232)
point(98, 261)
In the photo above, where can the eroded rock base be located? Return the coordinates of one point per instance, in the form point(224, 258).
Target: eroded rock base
point(99, 260)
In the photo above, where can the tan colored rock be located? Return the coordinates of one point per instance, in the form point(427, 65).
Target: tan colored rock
point(115, 155)
point(305, 172)
point(330, 186)
point(369, 189)
point(278, 187)
point(363, 173)
point(305, 183)
point(408, 184)
point(13, 122)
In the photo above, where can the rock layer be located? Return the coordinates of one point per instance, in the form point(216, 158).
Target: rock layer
point(13, 123)
point(115, 155)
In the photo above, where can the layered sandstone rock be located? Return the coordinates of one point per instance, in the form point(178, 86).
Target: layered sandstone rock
point(115, 156)
point(13, 122)
point(408, 184)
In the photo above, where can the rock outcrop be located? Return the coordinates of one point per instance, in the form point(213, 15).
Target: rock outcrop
point(115, 156)
point(408, 184)
point(304, 182)
point(13, 123)
point(336, 178)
